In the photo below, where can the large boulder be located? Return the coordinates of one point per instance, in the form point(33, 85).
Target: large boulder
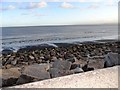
point(9, 76)
point(60, 68)
point(7, 51)
point(36, 72)
point(96, 63)
point(33, 73)
point(86, 67)
point(24, 79)
point(62, 65)
point(55, 72)
point(111, 59)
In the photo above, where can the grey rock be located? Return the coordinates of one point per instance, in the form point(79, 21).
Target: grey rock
point(87, 68)
point(24, 63)
point(112, 59)
point(14, 62)
point(73, 66)
point(0, 64)
point(4, 60)
point(60, 59)
point(96, 63)
point(42, 67)
point(24, 79)
point(78, 70)
point(7, 51)
point(62, 65)
point(72, 60)
point(42, 57)
point(107, 51)
point(55, 72)
point(9, 82)
point(1, 82)
point(31, 57)
point(39, 61)
point(36, 71)
point(7, 62)
point(54, 58)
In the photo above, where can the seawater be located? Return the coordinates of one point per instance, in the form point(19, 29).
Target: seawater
point(16, 37)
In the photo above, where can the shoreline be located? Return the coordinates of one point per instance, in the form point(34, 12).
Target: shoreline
point(55, 44)
point(24, 65)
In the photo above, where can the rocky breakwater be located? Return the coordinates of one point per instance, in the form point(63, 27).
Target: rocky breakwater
point(36, 63)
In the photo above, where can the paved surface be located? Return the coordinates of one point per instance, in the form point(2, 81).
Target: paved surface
point(103, 78)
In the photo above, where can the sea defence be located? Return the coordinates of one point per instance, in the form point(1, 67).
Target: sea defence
point(102, 78)
point(39, 63)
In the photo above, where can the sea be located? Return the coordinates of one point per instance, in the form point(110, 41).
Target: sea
point(14, 38)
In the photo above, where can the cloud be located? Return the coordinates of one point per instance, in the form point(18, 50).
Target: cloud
point(1, 0)
point(58, 0)
point(111, 3)
point(67, 5)
point(42, 4)
point(33, 5)
point(33, 13)
point(73, 0)
point(10, 7)
point(25, 13)
point(94, 6)
point(38, 14)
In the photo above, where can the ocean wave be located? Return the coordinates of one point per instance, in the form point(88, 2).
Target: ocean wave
point(15, 46)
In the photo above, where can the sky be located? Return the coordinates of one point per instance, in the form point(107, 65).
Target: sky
point(58, 12)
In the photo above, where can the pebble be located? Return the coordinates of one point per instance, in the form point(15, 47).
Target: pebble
point(14, 62)
point(31, 57)
point(72, 60)
point(54, 58)
point(8, 66)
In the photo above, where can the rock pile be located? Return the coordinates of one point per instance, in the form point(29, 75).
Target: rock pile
point(29, 65)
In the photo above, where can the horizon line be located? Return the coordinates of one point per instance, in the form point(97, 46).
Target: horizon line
point(60, 25)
